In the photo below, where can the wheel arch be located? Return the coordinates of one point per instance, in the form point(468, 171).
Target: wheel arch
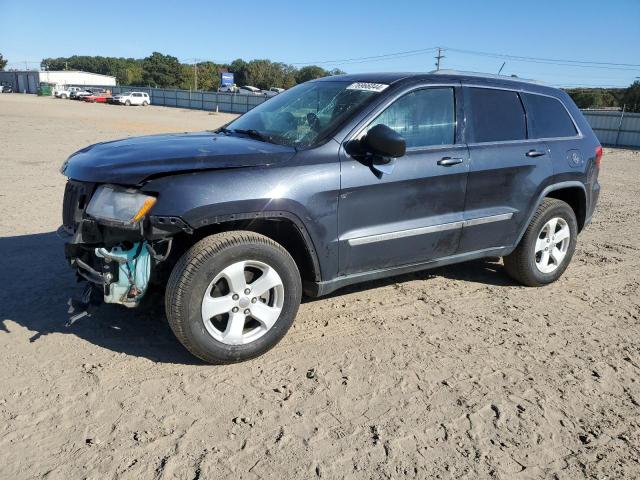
point(282, 227)
point(576, 198)
point(573, 193)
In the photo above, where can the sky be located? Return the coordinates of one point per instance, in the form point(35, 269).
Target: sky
point(356, 36)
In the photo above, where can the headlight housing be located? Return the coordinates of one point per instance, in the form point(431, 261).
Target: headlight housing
point(119, 205)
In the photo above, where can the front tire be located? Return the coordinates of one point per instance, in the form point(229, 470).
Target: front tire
point(233, 296)
point(127, 103)
point(547, 246)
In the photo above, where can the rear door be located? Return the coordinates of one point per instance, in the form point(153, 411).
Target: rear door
point(506, 168)
point(413, 213)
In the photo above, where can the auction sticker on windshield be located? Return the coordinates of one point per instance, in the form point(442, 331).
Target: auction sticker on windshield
point(368, 87)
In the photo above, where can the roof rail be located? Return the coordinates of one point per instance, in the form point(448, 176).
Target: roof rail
point(514, 78)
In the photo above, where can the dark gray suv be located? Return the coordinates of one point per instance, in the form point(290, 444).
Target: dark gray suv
point(336, 181)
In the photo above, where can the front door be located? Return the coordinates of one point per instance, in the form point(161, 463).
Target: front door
point(414, 212)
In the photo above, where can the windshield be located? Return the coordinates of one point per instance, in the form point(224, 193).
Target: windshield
point(303, 116)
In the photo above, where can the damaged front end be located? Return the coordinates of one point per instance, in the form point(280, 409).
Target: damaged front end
point(113, 243)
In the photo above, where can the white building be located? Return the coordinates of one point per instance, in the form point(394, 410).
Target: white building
point(27, 81)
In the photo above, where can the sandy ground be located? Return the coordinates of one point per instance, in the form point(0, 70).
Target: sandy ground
point(452, 373)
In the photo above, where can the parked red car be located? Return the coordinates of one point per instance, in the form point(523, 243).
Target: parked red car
point(99, 98)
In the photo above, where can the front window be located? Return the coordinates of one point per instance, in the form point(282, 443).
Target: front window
point(305, 115)
point(424, 118)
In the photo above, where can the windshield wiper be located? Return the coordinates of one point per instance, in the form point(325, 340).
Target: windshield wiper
point(258, 135)
point(254, 134)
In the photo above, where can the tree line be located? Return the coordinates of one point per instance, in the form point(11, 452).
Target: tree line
point(159, 70)
point(166, 71)
point(608, 97)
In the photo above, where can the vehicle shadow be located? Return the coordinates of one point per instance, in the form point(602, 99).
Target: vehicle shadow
point(36, 285)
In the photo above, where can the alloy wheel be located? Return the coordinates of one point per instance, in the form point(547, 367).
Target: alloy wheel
point(552, 245)
point(242, 302)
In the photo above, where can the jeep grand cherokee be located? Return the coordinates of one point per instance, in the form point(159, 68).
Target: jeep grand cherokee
point(335, 181)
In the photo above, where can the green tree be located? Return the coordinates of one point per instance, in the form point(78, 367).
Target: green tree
point(593, 97)
point(265, 74)
point(208, 76)
point(160, 70)
point(310, 72)
point(239, 68)
point(3, 62)
point(631, 97)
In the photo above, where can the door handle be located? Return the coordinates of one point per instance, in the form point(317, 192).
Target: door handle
point(535, 153)
point(449, 161)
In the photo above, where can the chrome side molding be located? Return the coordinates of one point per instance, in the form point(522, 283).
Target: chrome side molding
point(489, 219)
point(381, 237)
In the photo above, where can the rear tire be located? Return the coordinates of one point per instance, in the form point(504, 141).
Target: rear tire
point(222, 316)
point(546, 248)
point(145, 103)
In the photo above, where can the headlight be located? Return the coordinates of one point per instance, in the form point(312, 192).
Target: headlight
point(119, 205)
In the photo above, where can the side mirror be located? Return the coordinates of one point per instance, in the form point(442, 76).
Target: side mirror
point(383, 142)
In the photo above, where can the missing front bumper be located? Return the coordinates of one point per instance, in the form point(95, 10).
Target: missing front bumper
point(122, 273)
point(118, 261)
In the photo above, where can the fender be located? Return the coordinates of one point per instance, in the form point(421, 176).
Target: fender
point(217, 219)
point(541, 197)
point(300, 191)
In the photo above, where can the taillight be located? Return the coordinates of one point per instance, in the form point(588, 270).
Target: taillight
point(598, 155)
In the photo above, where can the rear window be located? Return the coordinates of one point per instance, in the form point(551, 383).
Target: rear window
point(548, 117)
point(496, 115)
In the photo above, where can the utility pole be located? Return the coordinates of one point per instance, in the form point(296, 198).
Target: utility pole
point(195, 76)
point(438, 58)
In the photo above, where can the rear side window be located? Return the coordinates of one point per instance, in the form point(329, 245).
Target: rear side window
point(424, 117)
point(496, 115)
point(548, 117)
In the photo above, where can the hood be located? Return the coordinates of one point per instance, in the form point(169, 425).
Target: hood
point(132, 160)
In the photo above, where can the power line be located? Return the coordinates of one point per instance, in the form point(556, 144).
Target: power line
point(378, 59)
point(517, 57)
point(557, 79)
point(358, 59)
point(551, 61)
